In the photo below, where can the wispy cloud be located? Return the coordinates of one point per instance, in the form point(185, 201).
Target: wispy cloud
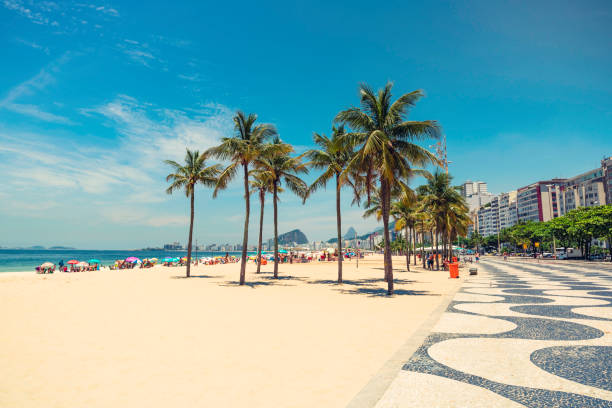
point(192, 77)
point(130, 170)
point(36, 12)
point(140, 53)
point(34, 45)
point(38, 82)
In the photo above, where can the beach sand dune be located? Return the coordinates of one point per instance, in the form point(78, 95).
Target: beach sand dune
point(152, 338)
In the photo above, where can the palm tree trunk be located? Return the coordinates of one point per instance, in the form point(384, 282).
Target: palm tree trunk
point(408, 243)
point(414, 236)
point(423, 243)
point(245, 236)
point(275, 230)
point(191, 199)
point(450, 246)
point(262, 197)
point(437, 252)
point(385, 204)
point(339, 227)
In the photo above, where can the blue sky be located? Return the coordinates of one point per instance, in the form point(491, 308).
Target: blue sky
point(93, 96)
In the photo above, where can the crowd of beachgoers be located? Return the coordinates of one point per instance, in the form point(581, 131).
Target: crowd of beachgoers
point(133, 262)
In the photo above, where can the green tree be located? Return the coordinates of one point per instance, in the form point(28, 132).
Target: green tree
point(185, 177)
point(277, 165)
point(386, 150)
point(241, 150)
point(404, 210)
point(446, 205)
point(332, 157)
point(261, 185)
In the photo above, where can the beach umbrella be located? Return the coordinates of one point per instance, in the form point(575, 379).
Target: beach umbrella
point(167, 259)
point(131, 259)
point(153, 259)
point(47, 265)
point(72, 262)
point(80, 264)
point(282, 251)
point(93, 261)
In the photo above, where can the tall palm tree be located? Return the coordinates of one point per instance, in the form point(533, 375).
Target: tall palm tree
point(241, 149)
point(333, 156)
point(387, 150)
point(276, 164)
point(185, 177)
point(261, 185)
point(404, 210)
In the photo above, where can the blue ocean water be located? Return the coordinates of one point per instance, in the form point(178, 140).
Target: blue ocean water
point(18, 260)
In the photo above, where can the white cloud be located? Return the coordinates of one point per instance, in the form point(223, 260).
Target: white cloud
point(37, 83)
point(35, 12)
point(34, 45)
point(123, 181)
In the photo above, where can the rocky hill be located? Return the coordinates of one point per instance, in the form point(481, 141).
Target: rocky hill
point(290, 237)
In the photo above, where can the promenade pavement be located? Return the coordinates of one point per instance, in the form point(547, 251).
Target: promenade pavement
point(517, 334)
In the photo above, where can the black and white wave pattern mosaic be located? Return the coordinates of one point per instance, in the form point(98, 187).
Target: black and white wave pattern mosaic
point(518, 334)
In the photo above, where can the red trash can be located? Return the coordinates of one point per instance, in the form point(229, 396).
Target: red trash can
point(454, 270)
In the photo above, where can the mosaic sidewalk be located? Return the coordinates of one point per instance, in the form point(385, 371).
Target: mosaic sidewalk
point(516, 335)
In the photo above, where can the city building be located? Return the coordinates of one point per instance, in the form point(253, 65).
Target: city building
point(476, 194)
point(606, 166)
point(508, 212)
point(474, 187)
point(586, 189)
point(488, 218)
point(175, 246)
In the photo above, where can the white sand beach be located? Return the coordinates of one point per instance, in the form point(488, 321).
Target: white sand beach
point(152, 338)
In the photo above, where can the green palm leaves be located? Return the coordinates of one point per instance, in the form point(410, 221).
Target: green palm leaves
point(332, 157)
point(276, 165)
point(186, 177)
point(386, 152)
point(241, 150)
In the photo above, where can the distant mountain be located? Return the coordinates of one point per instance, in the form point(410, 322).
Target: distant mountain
point(290, 237)
point(37, 247)
point(60, 247)
point(350, 233)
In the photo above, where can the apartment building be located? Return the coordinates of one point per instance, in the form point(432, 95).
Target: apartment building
point(488, 218)
point(585, 190)
point(541, 201)
point(606, 166)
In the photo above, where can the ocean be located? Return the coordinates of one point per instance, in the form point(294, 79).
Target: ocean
point(23, 260)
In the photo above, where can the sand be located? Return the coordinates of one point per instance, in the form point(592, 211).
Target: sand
point(152, 338)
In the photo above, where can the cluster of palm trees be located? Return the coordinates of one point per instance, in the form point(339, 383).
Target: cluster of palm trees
point(372, 150)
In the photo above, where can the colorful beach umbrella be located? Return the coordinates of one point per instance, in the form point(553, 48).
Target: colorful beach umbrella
point(47, 265)
point(282, 251)
point(93, 261)
point(132, 259)
point(72, 262)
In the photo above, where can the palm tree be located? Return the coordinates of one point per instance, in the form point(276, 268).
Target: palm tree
point(443, 201)
point(404, 210)
point(195, 171)
point(333, 156)
point(277, 165)
point(261, 185)
point(241, 149)
point(386, 150)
